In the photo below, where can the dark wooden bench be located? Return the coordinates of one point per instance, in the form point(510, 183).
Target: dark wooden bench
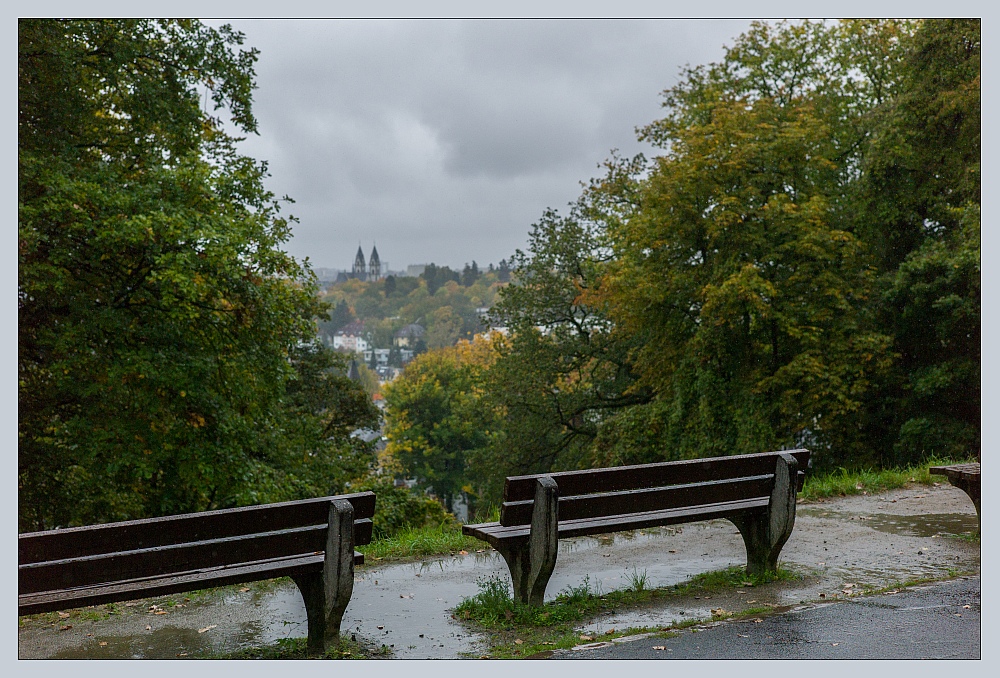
point(963, 476)
point(754, 491)
point(312, 541)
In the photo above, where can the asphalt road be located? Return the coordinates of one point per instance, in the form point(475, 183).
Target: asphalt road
point(939, 621)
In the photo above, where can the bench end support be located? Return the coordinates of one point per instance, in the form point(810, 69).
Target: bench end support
point(327, 594)
point(766, 532)
point(531, 563)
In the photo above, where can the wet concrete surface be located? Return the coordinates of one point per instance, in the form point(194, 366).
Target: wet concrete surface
point(938, 621)
point(861, 541)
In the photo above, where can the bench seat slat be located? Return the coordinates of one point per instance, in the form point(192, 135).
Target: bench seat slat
point(148, 587)
point(494, 533)
point(132, 535)
point(640, 476)
point(640, 501)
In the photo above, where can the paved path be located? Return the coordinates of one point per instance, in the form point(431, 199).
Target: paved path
point(861, 541)
point(939, 621)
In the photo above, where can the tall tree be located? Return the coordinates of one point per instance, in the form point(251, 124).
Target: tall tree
point(159, 320)
point(919, 208)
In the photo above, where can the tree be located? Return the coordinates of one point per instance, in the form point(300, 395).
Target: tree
point(740, 272)
point(444, 328)
point(470, 274)
point(160, 324)
point(919, 208)
point(563, 372)
point(432, 419)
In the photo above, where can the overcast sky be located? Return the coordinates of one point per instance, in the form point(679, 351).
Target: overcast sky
point(443, 141)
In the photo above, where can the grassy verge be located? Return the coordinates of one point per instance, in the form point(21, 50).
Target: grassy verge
point(420, 542)
point(843, 482)
point(518, 630)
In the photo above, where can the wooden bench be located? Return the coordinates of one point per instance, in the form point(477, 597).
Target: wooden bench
point(754, 491)
point(963, 476)
point(312, 541)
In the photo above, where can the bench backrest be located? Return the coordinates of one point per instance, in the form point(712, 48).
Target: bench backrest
point(593, 493)
point(94, 554)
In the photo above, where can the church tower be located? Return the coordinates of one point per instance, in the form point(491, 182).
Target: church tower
point(358, 271)
point(374, 265)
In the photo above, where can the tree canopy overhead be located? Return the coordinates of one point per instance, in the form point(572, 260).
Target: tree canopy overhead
point(161, 327)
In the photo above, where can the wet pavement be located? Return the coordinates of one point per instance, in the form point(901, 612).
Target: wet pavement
point(841, 546)
point(937, 621)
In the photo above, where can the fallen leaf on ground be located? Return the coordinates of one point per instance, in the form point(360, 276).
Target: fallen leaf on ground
point(66, 628)
point(244, 589)
point(751, 601)
point(609, 632)
point(719, 612)
point(102, 644)
point(659, 647)
point(586, 638)
point(484, 656)
point(480, 550)
point(207, 628)
point(463, 553)
point(758, 620)
point(160, 612)
point(183, 654)
point(518, 641)
point(63, 615)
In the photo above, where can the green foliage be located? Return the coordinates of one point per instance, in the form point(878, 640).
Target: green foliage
point(164, 357)
point(399, 508)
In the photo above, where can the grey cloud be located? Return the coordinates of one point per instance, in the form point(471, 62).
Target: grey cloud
point(444, 140)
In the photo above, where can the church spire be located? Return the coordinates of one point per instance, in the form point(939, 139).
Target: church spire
point(374, 265)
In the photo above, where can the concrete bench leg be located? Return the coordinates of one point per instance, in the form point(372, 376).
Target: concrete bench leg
point(531, 562)
point(765, 532)
point(326, 594)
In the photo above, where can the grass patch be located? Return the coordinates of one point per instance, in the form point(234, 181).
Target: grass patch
point(494, 607)
point(420, 542)
point(843, 482)
point(520, 631)
point(295, 648)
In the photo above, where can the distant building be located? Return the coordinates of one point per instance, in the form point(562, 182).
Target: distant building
point(350, 337)
point(373, 270)
point(358, 270)
point(408, 336)
point(414, 270)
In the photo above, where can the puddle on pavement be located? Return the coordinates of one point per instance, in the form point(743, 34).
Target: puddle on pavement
point(927, 525)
